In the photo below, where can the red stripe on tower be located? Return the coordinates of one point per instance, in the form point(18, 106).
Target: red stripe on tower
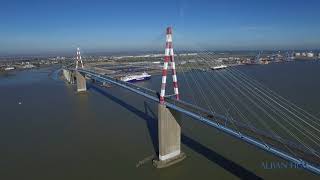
point(169, 56)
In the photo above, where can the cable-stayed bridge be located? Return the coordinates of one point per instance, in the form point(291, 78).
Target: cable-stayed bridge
point(229, 101)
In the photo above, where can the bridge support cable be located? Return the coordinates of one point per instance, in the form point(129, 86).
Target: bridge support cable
point(277, 96)
point(252, 101)
point(191, 90)
point(194, 80)
point(285, 113)
point(255, 93)
point(212, 92)
point(283, 102)
point(241, 115)
point(273, 117)
point(246, 121)
point(294, 119)
point(213, 87)
point(276, 101)
point(196, 77)
point(302, 143)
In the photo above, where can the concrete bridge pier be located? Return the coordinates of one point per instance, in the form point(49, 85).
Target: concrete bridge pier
point(169, 132)
point(67, 75)
point(81, 82)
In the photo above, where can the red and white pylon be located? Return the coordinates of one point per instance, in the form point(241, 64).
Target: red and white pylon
point(78, 59)
point(169, 56)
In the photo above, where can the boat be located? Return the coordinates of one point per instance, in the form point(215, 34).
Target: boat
point(9, 68)
point(135, 78)
point(219, 67)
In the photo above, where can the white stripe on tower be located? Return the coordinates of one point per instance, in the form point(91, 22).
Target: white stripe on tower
point(169, 37)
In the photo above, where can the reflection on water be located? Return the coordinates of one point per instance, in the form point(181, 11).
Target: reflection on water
point(56, 133)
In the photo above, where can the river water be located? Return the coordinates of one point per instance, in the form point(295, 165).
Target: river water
point(48, 131)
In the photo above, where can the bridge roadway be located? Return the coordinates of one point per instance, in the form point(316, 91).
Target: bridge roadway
point(305, 158)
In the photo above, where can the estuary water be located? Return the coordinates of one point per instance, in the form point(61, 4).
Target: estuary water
point(48, 131)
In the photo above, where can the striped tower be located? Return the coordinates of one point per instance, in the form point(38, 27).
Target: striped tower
point(80, 78)
point(78, 59)
point(169, 56)
point(169, 129)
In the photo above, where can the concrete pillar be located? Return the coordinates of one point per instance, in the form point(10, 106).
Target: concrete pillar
point(73, 77)
point(169, 132)
point(81, 82)
point(67, 75)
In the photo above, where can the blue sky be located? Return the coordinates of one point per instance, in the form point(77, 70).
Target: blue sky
point(40, 26)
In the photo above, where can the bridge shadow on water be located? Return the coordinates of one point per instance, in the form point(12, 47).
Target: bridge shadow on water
point(150, 117)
